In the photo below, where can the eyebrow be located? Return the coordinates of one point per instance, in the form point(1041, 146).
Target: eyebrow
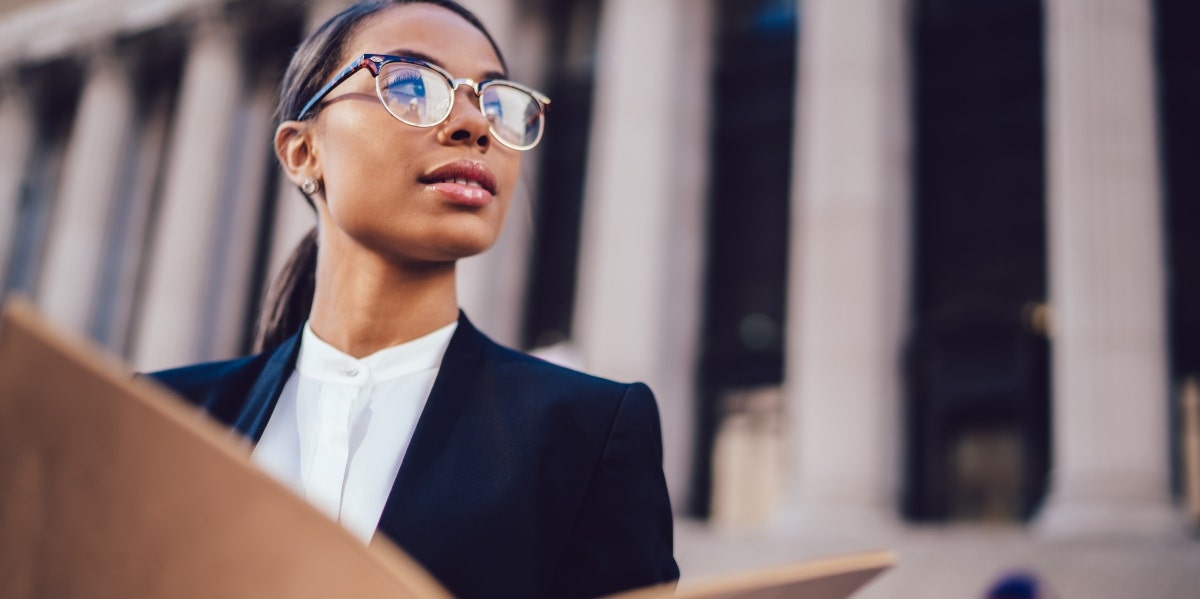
point(431, 60)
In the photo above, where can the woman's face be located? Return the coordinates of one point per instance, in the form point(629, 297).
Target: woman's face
point(388, 186)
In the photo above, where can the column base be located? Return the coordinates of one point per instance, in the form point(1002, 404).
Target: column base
point(842, 519)
point(1075, 516)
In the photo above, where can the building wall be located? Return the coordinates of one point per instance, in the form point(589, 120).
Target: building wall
point(140, 205)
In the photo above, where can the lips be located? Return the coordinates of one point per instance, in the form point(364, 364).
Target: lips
point(468, 182)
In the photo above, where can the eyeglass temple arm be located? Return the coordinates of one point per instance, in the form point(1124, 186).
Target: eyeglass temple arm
point(352, 68)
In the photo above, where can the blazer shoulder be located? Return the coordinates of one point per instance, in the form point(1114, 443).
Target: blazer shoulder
point(575, 400)
point(199, 382)
point(524, 365)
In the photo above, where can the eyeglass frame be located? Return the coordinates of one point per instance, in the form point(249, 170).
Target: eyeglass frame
point(375, 62)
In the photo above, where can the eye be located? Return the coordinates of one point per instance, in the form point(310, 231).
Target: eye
point(493, 109)
point(405, 85)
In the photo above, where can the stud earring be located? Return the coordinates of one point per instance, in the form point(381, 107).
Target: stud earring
point(309, 186)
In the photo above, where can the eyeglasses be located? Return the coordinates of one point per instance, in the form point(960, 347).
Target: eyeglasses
point(422, 95)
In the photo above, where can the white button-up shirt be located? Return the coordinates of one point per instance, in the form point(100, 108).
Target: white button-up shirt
point(342, 425)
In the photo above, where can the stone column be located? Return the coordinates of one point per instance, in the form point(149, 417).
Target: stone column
point(292, 220)
point(320, 11)
point(638, 300)
point(95, 155)
point(179, 275)
point(499, 16)
point(293, 217)
point(16, 142)
point(239, 222)
point(848, 268)
point(1106, 273)
point(118, 306)
point(491, 286)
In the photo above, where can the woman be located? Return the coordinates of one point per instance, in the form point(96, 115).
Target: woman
point(374, 397)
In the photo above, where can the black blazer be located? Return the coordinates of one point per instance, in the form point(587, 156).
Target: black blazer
point(522, 479)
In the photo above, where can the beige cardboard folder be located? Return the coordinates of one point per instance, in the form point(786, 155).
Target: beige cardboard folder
point(830, 578)
point(111, 488)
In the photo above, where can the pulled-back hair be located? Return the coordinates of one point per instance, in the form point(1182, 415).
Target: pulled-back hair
point(290, 296)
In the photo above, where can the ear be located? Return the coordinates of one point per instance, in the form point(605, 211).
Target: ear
point(295, 150)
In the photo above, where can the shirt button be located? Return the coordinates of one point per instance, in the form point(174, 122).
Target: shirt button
point(349, 371)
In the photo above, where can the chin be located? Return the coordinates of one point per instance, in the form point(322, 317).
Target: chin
point(466, 239)
point(458, 244)
point(465, 248)
point(437, 240)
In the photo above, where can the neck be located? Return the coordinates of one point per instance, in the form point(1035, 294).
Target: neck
point(364, 303)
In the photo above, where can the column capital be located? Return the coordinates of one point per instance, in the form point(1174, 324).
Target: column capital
point(105, 54)
point(212, 21)
point(320, 11)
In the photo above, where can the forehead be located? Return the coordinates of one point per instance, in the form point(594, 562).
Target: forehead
point(436, 32)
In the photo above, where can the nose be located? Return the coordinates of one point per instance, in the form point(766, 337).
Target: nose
point(466, 123)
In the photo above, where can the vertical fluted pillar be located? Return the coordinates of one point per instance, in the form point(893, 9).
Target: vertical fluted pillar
point(16, 141)
point(500, 18)
point(293, 216)
point(239, 222)
point(320, 11)
point(117, 307)
point(182, 250)
point(94, 159)
point(491, 286)
point(848, 268)
point(638, 298)
point(292, 219)
point(1106, 273)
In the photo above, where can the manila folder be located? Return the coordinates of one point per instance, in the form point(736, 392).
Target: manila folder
point(111, 488)
point(828, 578)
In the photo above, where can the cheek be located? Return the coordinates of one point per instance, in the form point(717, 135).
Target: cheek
point(370, 167)
point(358, 158)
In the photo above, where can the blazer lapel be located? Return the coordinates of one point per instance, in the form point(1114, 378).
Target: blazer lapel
point(456, 382)
point(260, 401)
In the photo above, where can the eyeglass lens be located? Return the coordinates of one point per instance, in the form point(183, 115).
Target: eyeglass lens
point(422, 97)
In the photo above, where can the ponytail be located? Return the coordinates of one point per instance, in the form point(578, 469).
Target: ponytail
point(290, 297)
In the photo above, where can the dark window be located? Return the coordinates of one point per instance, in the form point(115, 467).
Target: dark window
point(268, 48)
point(976, 366)
point(1179, 95)
point(54, 93)
point(125, 252)
point(563, 153)
point(753, 90)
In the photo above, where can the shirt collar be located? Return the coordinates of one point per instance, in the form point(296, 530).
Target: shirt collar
point(322, 361)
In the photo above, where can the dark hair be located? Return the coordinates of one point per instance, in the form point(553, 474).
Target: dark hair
point(289, 298)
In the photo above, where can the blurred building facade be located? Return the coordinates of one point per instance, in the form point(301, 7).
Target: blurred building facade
point(881, 260)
